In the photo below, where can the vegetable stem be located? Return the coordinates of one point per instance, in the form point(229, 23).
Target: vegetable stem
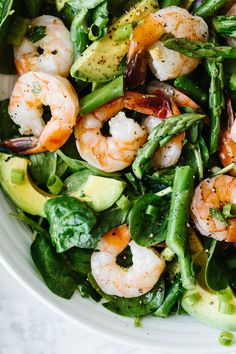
point(178, 219)
point(102, 95)
point(190, 88)
point(159, 136)
point(209, 8)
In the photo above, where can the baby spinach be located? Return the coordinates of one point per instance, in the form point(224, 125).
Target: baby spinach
point(79, 260)
point(70, 223)
point(148, 230)
point(84, 4)
point(8, 129)
point(138, 306)
point(76, 180)
point(215, 275)
point(33, 7)
point(87, 291)
point(43, 166)
point(78, 165)
point(5, 9)
point(58, 276)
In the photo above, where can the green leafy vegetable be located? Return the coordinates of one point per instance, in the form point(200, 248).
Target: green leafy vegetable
point(79, 32)
point(70, 223)
point(8, 129)
point(32, 223)
point(59, 278)
point(84, 4)
point(79, 260)
point(19, 28)
point(5, 9)
point(43, 166)
point(148, 230)
point(33, 7)
point(75, 181)
point(36, 33)
point(215, 275)
point(138, 306)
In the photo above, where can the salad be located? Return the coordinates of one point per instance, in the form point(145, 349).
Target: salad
point(118, 148)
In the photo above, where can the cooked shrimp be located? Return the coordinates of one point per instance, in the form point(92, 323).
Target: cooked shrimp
point(214, 193)
point(227, 148)
point(116, 152)
point(32, 91)
point(52, 54)
point(165, 64)
point(231, 12)
point(125, 282)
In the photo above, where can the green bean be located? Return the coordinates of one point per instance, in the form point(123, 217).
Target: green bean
point(173, 295)
point(102, 95)
point(209, 8)
point(160, 135)
point(195, 49)
point(225, 25)
point(18, 30)
point(176, 238)
point(79, 33)
point(167, 3)
point(190, 88)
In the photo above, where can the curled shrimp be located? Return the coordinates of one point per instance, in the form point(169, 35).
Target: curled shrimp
point(227, 148)
point(52, 54)
point(213, 194)
point(130, 282)
point(165, 64)
point(117, 151)
point(169, 154)
point(32, 91)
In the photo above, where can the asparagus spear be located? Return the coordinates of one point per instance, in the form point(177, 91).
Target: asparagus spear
point(190, 88)
point(173, 295)
point(195, 49)
point(176, 238)
point(167, 3)
point(225, 25)
point(209, 8)
point(216, 99)
point(160, 135)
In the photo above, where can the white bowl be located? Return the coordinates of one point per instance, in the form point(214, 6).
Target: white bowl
point(176, 334)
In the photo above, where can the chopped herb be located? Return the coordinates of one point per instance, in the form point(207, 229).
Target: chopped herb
point(36, 33)
point(36, 88)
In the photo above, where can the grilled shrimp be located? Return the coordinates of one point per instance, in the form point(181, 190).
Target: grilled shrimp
point(165, 64)
point(213, 194)
point(169, 154)
point(32, 91)
point(52, 54)
point(117, 151)
point(125, 282)
point(227, 148)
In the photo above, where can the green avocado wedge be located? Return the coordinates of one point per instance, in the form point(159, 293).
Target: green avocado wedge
point(26, 195)
point(204, 304)
point(101, 61)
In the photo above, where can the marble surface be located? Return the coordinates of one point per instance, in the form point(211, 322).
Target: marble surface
point(29, 327)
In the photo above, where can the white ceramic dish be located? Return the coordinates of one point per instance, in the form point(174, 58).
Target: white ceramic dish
point(177, 334)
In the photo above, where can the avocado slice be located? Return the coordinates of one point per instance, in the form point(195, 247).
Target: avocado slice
point(100, 192)
point(206, 309)
point(101, 61)
point(27, 196)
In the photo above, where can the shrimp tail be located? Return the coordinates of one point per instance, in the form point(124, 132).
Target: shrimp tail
point(135, 73)
point(24, 145)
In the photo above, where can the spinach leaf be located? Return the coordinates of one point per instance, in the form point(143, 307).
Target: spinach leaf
point(79, 260)
point(5, 9)
point(138, 306)
point(148, 230)
point(125, 258)
point(84, 4)
point(87, 291)
point(215, 275)
point(108, 220)
point(70, 222)
point(76, 180)
point(78, 165)
point(8, 129)
point(43, 166)
point(36, 33)
point(32, 223)
point(59, 278)
point(79, 33)
point(33, 7)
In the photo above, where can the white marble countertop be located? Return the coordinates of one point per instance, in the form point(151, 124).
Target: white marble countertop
point(29, 327)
